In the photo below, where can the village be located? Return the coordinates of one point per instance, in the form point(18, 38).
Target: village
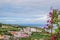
point(17, 32)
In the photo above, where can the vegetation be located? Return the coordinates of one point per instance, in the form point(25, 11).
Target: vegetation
point(0, 24)
point(40, 35)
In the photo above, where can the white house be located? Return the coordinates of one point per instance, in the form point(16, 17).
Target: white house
point(31, 29)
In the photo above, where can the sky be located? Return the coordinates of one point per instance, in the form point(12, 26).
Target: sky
point(26, 11)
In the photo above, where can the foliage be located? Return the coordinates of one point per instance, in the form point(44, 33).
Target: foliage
point(36, 35)
point(0, 24)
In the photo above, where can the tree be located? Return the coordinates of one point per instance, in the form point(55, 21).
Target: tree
point(0, 24)
point(53, 20)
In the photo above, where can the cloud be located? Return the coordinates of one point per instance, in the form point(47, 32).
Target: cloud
point(31, 2)
point(26, 11)
point(24, 20)
point(23, 13)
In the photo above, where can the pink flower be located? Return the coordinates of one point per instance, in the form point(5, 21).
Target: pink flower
point(47, 24)
point(51, 21)
point(48, 21)
point(51, 13)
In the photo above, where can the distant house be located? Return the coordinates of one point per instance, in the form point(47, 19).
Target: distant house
point(32, 29)
point(1, 37)
point(36, 30)
point(6, 37)
point(27, 29)
point(19, 34)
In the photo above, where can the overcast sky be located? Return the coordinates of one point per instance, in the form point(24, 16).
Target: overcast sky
point(26, 11)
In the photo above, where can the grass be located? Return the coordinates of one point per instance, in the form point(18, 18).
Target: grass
point(39, 36)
